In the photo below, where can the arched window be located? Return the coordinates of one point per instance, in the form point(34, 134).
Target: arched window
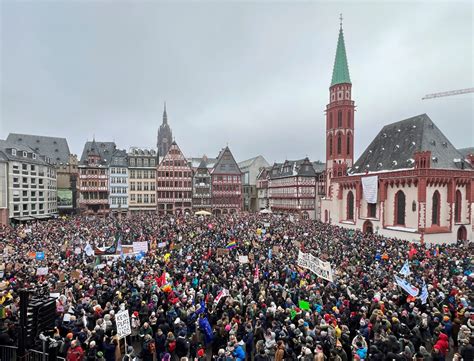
point(330, 145)
point(330, 120)
point(339, 144)
point(348, 145)
point(339, 119)
point(435, 208)
point(349, 119)
point(458, 206)
point(400, 208)
point(326, 217)
point(350, 206)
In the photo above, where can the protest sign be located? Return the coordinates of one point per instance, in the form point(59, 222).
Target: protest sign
point(243, 259)
point(42, 271)
point(161, 244)
point(140, 247)
point(222, 251)
point(320, 268)
point(122, 320)
point(40, 256)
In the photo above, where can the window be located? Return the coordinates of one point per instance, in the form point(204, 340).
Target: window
point(25, 154)
point(457, 206)
point(13, 151)
point(330, 145)
point(339, 144)
point(339, 119)
point(435, 208)
point(372, 210)
point(349, 119)
point(348, 145)
point(400, 208)
point(330, 120)
point(34, 155)
point(350, 206)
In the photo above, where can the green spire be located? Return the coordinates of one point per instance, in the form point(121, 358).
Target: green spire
point(340, 73)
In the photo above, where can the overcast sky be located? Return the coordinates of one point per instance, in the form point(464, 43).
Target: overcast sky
point(254, 75)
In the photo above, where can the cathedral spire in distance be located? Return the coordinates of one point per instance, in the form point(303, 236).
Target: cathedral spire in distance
point(165, 135)
point(165, 116)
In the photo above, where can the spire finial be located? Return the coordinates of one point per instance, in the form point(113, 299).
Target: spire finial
point(340, 20)
point(165, 115)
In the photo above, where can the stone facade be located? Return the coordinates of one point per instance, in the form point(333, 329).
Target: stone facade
point(118, 182)
point(142, 179)
point(250, 169)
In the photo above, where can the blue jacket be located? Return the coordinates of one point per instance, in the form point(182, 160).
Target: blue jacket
point(239, 353)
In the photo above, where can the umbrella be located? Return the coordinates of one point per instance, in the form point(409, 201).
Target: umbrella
point(203, 213)
point(266, 210)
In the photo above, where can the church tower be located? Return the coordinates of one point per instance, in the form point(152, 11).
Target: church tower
point(165, 136)
point(339, 117)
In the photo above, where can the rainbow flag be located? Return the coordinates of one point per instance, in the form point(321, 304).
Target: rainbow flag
point(231, 245)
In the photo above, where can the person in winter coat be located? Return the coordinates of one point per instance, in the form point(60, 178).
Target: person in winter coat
point(75, 352)
point(467, 352)
point(160, 342)
point(280, 351)
point(182, 345)
point(442, 344)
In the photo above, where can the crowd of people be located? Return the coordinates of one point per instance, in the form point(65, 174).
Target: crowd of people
point(193, 295)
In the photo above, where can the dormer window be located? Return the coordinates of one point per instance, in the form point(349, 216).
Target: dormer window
point(13, 151)
point(34, 155)
point(25, 154)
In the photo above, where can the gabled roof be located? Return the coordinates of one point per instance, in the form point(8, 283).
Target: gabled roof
point(395, 145)
point(195, 162)
point(226, 163)
point(291, 168)
point(264, 173)
point(340, 72)
point(54, 148)
point(319, 166)
point(104, 149)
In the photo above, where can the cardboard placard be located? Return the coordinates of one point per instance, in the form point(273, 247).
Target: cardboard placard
point(76, 275)
point(222, 252)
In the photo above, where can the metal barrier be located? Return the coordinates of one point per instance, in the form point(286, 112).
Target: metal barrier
point(8, 353)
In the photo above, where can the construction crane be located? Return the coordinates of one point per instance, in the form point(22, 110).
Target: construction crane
point(448, 93)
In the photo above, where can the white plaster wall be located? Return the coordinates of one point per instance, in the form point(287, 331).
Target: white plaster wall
point(444, 207)
point(411, 194)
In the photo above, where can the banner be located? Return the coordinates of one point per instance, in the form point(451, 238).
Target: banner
point(222, 252)
point(424, 294)
point(369, 188)
point(140, 247)
point(320, 268)
point(405, 269)
point(221, 295)
point(122, 320)
point(407, 287)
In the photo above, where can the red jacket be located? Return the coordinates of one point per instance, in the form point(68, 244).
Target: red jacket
point(75, 354)
point(442, 344)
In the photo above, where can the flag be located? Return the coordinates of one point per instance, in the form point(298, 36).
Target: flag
point(113, 248)
point(412, 252)
point(231, 245)
point(223, 293)
point(292, 313)
point(256, 275)
point(304, 305)
point(161, 281)
point(269, 253)
point(88, 249)
point(405, 269)
point(407, 287)
point(206, 329)
point(424, 294)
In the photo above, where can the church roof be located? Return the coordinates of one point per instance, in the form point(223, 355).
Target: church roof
point(395, 145)
point(54, 148)
point(340, 72)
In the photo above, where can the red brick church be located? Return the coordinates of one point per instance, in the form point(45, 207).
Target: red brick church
point(410, 183)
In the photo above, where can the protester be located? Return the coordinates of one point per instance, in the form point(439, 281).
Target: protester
point(230, 288)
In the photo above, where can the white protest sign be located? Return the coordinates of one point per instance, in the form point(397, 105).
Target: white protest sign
point(244, 259)
point(320, 268)
point(42, 271)
point(122, 319)
point(140, 247)
point(161, 244)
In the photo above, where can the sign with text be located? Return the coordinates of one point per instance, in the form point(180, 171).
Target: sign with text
point(122, 319)
point(140, 247)
point(314, 264)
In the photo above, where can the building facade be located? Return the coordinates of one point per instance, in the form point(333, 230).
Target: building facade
point(250, 169)
point(57, 150)
point(31, 183)
point(202, 186)
point(226, 183)
point(263, 177)
point(93, 186)
point(174, 183)
point(292, 188)
point(142, 179)
point(165, 136)
point(118, 182)
point(410, 183)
